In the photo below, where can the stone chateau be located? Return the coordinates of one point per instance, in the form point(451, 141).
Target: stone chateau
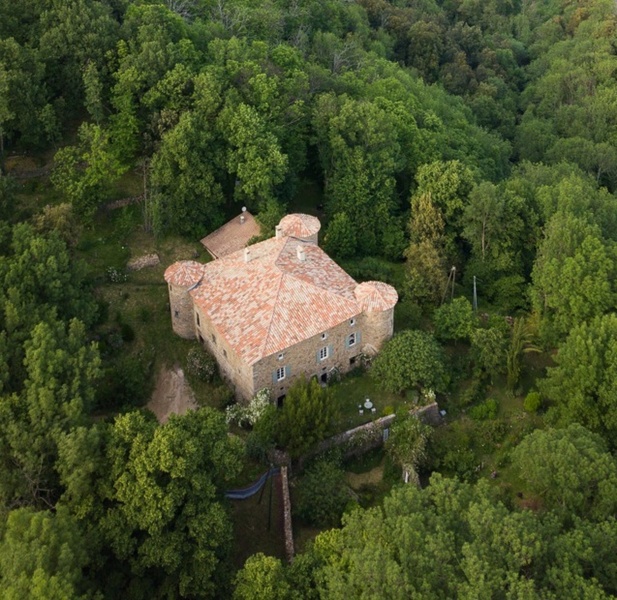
point(279, 309)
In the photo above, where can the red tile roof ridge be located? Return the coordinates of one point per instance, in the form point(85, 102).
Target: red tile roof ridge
point(299, 225)
point(184, 273)
point(274, 298)
point(269, 328)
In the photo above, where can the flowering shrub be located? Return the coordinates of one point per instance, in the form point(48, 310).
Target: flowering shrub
point(200, 364)
point(428, 396)
point(116, 275)
point(247, 416)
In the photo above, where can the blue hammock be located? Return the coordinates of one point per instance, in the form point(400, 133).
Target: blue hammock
point(252, 489)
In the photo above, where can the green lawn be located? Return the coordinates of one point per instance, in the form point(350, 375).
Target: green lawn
point(350, 394)
point(258, 524)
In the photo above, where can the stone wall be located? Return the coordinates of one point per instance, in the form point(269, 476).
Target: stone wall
point(370, 435)
point(287, 522)
point(379, 327)
point(231, 367)
point(181, 305)
point(301, 359)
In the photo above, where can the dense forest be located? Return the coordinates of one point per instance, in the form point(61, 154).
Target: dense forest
point(464, 151)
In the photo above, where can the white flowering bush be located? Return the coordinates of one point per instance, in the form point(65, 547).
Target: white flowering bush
point(247, 416)
point(116, 275)
point(428, 396)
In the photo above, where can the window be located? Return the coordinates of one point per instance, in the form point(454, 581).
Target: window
point(351, 340)
point(352, 322)
point(176, 314)
point(281, 356)
point(213, 338)
point(324, 336)
point(280, 374)
point(197, 319)
point(225, 353)
point(323, 353)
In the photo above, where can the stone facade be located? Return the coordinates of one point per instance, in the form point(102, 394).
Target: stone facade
point(305, 358)
point(285, 312)
point(181, 305)
point(233, 370)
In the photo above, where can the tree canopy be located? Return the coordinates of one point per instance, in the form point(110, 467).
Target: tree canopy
point(411, 359)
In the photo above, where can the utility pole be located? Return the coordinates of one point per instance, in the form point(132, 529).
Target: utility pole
point(475, 294)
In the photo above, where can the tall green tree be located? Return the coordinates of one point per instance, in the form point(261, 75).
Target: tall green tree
point(425, 269)
point(254, 155)
point(61, 372)
point(83, 173)
point(361, 152)
point(407, 445)
point(449, 185)
point(573, 275)
point(163, 514)
point(39, 281)
point(261, 578)
point(488, 350)
point(411, 359)
point(44, 556)
point(582, 385)
point(571, 471)
point(188, 197)
point(483, 548)
point(522, 339)
point(306, 417)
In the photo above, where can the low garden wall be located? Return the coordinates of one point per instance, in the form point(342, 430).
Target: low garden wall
point(371, 435)
point(287, 523)
point(355, 441)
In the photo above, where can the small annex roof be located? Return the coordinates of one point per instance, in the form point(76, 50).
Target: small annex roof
point(375, 296)
point(232, 236)
point(299, 225)
point(184, 273)
point(273, 295)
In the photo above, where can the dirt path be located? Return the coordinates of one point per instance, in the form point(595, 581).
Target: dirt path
point(172, 394)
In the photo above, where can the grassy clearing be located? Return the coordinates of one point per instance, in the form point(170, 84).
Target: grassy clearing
point(137, 303)
point(258, 524)
point(350, 394)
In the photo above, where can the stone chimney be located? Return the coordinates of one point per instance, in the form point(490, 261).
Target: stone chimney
point(278, 232)
point(301, 253)
point(247, 254)
point(242, 219)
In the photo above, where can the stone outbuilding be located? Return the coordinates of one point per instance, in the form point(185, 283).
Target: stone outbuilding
point(232, 236)
point(278, 310)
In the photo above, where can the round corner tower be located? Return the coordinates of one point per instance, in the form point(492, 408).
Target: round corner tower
point(377, 301)
point(301, 226)
point(181, 278)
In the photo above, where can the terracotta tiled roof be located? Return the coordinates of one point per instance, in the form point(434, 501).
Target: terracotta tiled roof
point(232, 236)
point(275, 299)
point(300, 225)
point(184, 273)
point(375, 296)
